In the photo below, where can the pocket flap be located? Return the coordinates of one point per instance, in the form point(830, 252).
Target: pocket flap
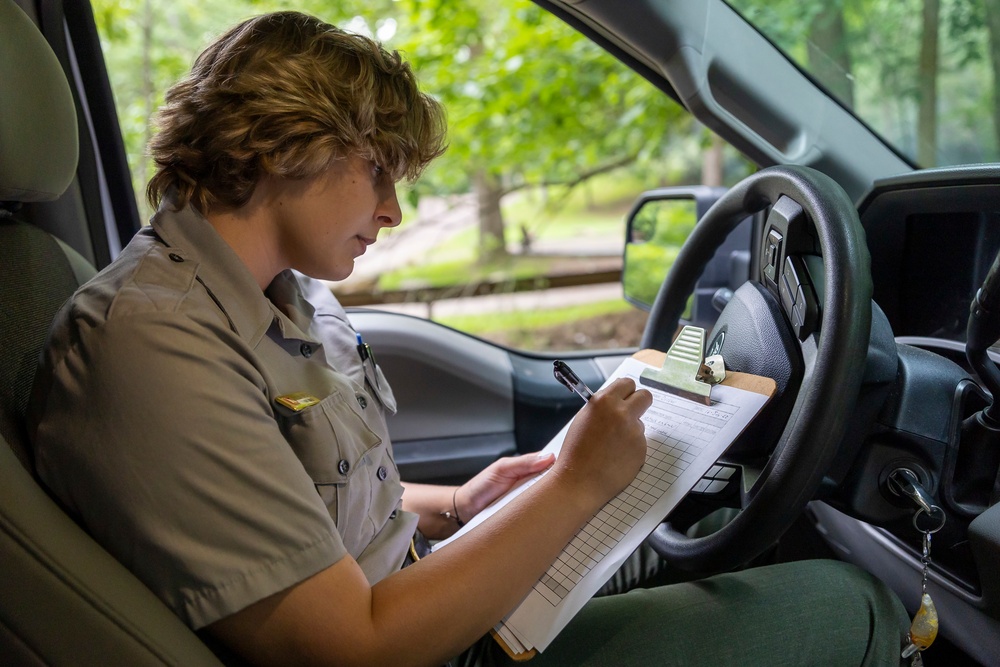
point(330, 438)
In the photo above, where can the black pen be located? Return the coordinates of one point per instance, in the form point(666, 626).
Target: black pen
point(572, 381)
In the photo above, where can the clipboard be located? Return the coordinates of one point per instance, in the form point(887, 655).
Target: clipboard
point(684, 370)
point(748, 382)
point(687, 369)
point(516, 657)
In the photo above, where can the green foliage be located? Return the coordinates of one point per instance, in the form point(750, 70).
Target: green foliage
point(665, 221)
point(882, 40)
point(529, 99)
point(658, 231)
point(528, 320)
point(464, 272)
point(646, 265)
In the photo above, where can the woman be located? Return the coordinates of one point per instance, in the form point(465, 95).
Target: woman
point(205, 412)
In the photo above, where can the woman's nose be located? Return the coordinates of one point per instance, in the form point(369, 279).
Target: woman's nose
point(388, 212)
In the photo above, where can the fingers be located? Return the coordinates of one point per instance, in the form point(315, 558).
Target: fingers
point(526, 464)
point(496, 479)
point(637, 401)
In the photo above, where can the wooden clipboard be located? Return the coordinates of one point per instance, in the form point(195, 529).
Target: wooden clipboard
point(516, 657)
point(746, 381)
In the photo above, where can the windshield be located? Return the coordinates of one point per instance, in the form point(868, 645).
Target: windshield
point(921, 73)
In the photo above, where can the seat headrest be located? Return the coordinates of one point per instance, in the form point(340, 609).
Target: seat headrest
point(38, 132)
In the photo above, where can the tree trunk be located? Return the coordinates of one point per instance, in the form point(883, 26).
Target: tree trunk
point(993, 25)
point(829, 58)
point(492, 242)
point(711, 161)
point(927, 81)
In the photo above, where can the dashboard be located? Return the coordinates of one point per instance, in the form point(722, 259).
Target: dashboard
point(932, 236)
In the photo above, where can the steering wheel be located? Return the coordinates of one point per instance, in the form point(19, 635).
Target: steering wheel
point(818, 367)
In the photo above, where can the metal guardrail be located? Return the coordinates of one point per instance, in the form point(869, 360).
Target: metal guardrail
point(480, 288)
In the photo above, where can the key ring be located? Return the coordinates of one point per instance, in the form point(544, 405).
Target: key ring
point(933, 515)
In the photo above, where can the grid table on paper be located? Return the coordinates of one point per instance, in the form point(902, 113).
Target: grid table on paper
point(666, 459)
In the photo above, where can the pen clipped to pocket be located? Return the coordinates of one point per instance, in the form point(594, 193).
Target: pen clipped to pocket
point(374, 377)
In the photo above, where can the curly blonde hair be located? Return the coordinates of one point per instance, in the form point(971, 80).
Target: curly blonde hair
point(286, 94)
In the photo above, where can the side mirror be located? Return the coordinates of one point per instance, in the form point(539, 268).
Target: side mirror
point(657, 227)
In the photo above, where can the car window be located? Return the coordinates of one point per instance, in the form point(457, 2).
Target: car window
point(921, 74)
point(516, 234)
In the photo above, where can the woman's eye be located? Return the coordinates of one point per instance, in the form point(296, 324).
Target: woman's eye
point(378, 170)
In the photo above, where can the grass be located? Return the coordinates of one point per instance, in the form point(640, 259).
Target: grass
point(496, 322)
point(464, 272)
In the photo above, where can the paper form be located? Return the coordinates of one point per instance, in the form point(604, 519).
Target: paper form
point(683, 440)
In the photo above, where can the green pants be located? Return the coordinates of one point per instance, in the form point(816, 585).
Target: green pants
point(797, 614)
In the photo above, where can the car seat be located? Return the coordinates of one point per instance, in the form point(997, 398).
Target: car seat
point(63, 599)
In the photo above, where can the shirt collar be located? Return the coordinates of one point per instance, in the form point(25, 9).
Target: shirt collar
point(220, 269)
point(286, 294)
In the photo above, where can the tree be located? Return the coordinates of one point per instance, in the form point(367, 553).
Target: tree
point(992, 8)
point(149, 45)
point(530, 102)
point(829, 51)
point(927, 76)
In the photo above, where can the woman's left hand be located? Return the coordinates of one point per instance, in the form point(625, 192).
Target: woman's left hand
point(497, 479)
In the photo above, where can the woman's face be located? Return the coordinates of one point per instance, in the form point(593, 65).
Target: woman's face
point(324, 223)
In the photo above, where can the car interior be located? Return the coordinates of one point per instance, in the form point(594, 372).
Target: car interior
point(838, 269)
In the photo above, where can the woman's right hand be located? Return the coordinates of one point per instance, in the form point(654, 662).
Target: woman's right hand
point(606, 445)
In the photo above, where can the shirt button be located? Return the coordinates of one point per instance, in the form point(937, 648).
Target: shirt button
point(306, 350)
point(362, 401)
point(394, 514)
point(343, 466)
point(382, 472)
point(175, 257)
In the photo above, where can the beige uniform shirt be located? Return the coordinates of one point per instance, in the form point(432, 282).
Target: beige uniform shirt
point(157, 423)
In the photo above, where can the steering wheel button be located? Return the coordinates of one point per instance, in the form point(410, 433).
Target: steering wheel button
point(701, 486)
point(787, 294)
point(798, 317)
point(805, 301)
point(713, 472)
point(772, 254)
point(805, 313)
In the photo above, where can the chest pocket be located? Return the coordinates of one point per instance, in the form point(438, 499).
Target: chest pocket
point(345, 459)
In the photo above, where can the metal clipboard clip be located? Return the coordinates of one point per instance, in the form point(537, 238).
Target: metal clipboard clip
point(685, 371)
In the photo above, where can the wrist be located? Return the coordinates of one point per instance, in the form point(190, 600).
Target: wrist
point(461, 503)
point(574, 492)
point(453, 513)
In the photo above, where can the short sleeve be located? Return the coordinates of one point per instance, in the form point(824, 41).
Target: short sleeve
point(157, 431)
